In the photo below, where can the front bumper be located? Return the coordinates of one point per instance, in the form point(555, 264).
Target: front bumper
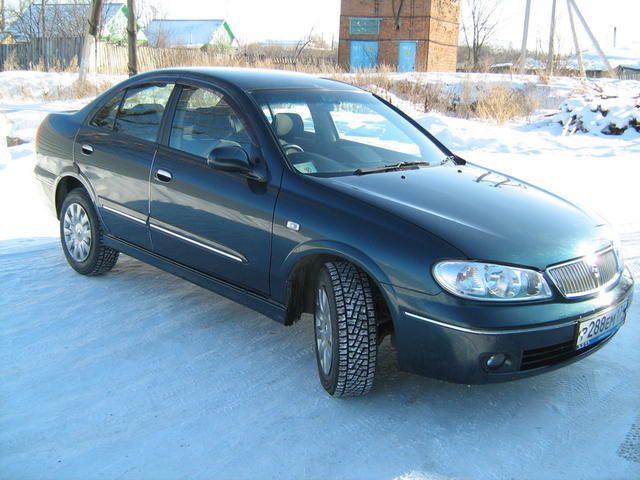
point(442, 337)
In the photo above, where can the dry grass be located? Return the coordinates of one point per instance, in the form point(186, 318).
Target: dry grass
point(89, 88)
point(499, 103)
point(11, 62)
point(502, 104)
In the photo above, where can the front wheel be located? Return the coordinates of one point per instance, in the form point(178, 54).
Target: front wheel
point(345, 330)
point(82, 237)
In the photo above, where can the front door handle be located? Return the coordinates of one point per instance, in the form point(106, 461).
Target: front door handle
point(87, 149)
point(163, 175)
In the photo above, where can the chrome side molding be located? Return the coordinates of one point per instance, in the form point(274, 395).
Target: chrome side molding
point(125, 215)
point(197, 243)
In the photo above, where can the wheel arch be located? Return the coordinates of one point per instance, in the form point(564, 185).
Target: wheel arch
point(302, 265)
point(67, 182)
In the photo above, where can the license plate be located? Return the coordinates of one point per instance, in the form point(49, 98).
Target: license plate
point(596, 329)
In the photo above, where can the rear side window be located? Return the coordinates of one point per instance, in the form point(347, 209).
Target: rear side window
point(204, 120)
point(141, 111)
point(106, 116)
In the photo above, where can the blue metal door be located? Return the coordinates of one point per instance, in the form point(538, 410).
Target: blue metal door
point(407, 56)
point(364, 54)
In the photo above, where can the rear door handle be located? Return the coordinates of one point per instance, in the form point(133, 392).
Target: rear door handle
point(163, 175)
point(87, 149)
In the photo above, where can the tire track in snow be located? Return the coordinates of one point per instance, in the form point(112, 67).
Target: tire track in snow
point(630, 448)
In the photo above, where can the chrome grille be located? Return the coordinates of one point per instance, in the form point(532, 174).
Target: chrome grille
point(586, 275)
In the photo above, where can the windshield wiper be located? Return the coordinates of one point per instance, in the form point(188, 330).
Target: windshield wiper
point(390, 168)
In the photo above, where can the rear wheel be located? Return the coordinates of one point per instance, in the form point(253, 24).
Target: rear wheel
point(82, 236)
point(345, 330)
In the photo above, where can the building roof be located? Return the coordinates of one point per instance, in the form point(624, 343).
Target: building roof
point(529, 64)
point(624, 56)
point(61, 19)
point(185, 32)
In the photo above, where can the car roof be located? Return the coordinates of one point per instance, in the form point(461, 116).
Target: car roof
point(250, 79)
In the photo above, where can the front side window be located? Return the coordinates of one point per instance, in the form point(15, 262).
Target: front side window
point(204, 120)
point(352, 131)
point(141, 111)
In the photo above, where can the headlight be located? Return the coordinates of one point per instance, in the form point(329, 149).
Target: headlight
point(488, 281)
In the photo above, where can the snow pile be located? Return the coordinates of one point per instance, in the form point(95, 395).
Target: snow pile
point(25, 86)
point(22, 85)
point(4, 133)
point(609, 111)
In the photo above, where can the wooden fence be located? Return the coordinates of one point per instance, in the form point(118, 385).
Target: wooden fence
point(61, 54)
point(113, 59)
point(65, 54)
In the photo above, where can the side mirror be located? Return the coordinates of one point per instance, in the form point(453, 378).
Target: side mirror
point(229, 159)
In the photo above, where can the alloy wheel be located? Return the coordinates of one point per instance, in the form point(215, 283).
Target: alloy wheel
point(77, 232)
point(324, 330)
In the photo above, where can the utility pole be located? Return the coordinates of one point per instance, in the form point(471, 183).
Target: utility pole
point(525, 33)
point(93, 24)
point(591, 36)
point(131, 37)
point(575, 40)
point(551, 35)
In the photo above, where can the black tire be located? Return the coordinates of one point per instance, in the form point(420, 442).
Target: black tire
point(353, 330)
point(101, 258)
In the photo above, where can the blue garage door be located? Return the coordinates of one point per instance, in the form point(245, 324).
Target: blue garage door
point(407, 57)
point(364, 54)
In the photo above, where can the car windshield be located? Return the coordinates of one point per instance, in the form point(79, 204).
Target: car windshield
point(337, 133)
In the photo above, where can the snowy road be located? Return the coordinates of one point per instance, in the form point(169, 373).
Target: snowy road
point(141, 375)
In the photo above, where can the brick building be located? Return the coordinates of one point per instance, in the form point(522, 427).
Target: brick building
point(419, 35)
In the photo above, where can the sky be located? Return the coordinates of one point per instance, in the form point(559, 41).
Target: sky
point(293, 19)
point(253, 20)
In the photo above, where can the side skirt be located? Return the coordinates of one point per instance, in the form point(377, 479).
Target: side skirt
point(262, 305)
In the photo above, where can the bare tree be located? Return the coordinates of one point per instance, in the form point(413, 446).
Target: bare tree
point(132, 37)
point(159, 36)
point(43, 31)
point(2, 16)
point(93, 27)
point(45, 19)
point(302, 44)
point(157, 33)
point(479, 22)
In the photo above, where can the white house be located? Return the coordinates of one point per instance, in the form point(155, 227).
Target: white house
point(189, 33)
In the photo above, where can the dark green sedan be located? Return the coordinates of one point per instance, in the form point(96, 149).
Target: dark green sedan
point(294, 194)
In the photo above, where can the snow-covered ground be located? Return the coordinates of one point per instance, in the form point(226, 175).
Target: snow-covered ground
point(138, 374)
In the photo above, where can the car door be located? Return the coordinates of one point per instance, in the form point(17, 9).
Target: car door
point(115, 151)
point(219, 223)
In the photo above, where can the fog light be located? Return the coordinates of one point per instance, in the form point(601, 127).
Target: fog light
point(496, 360)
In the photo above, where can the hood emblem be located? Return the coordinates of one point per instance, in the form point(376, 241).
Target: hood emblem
point(595, 272)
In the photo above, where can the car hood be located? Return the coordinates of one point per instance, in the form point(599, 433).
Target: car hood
point(485, 214)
